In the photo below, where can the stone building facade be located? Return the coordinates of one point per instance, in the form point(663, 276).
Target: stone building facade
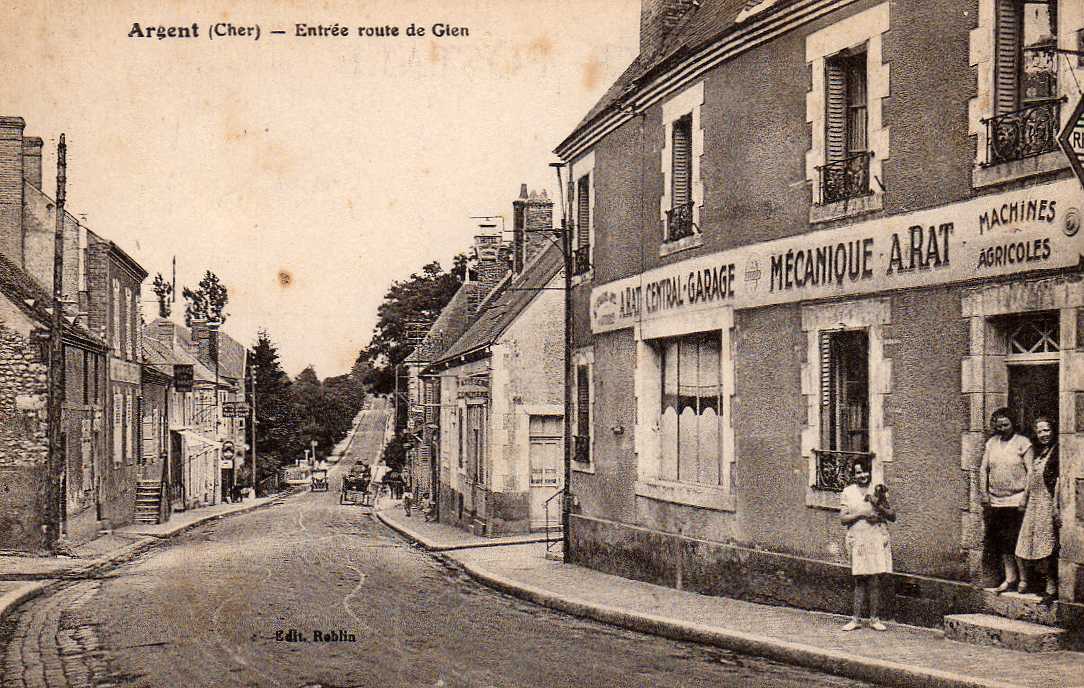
point(870, 269)
point(500, 392)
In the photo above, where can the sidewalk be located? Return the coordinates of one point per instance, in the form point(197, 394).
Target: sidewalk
point(903, 656)
point(23, 577)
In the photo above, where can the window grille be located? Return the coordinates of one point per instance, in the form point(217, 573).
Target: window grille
point(1034, 336)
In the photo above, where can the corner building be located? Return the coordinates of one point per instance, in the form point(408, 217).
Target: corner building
point(811, 230)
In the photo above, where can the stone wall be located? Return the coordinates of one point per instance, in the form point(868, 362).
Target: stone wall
point(23, 441)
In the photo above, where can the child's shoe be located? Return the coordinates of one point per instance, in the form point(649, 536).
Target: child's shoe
point(876, 625)
point(852, 625)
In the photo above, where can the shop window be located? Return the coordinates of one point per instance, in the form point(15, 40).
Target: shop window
point(844, 405)
point(690, 419)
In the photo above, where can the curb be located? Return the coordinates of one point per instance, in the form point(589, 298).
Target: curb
point(867, 669)
point(402, 530)
point(28, 591)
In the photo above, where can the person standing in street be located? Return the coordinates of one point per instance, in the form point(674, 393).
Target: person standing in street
point(1038, 539)
point(1004, 474)
point(864, 509)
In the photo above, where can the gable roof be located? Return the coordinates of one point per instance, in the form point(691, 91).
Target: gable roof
point(453, 321)
point(502, 308)
point(699, 27)
point(27, 295)
point(160, 357)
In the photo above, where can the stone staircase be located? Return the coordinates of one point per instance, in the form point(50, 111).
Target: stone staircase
point(148, 501)
point(1012, 621)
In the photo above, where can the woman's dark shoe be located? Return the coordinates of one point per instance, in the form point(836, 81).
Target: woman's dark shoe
point(1022, 588)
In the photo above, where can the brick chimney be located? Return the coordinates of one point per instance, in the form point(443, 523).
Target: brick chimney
point(205, 340)
point(11, 188)
point(163, 331)
point(539, 221)
point(32, 161)
point(657, 19)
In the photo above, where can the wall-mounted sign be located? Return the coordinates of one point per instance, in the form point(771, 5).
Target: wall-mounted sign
point(1071, 140)
point(1002, 234)
point(235, 409)
point(183, 376)
point(473, 388)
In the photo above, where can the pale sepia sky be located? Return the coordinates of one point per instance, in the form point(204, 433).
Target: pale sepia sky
point(347, 162)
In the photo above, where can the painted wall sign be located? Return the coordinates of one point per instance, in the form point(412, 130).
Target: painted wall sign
point(125, 371)
point(1003, 234)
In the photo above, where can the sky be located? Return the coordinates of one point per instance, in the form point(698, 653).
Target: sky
point(308, 173)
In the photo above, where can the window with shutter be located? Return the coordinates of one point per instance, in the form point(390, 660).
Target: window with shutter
point(844, 404)
point(845, 173)
point(583, 212)
point(1007, 59)
point(1026, 108)
point(583, 415)
point(682, 162)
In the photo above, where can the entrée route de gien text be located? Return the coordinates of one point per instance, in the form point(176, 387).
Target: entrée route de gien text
point(227, 30)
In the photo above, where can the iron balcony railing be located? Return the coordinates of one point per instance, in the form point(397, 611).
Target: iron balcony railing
point(1023, 133)
point(835, 469)
point(679, 222)
point(581, 448)
point(581, 260)
point(845, 179)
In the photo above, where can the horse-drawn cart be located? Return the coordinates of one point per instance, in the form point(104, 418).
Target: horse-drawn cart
point(355, 490)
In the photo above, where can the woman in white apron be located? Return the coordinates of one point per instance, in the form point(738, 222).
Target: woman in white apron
point(865, 511)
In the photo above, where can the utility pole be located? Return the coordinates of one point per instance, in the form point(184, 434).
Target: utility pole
point(253, 423)
point(566, 250)
point(54, 514)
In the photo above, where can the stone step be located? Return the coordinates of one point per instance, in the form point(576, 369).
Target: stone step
point(1013, 605)
point(997, 631)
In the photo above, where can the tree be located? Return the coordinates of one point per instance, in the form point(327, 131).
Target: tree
point(207, 302)
point(163, 290)
point(276, 431)
point(409, 306)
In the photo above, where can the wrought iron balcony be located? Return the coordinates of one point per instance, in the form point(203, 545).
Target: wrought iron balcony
point(581, 448)
point(1023, 133)
point(845, 179)
point(834, 468)
point(679, 222)
point(581, 260)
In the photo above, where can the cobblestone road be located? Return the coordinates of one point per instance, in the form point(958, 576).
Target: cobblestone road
point(215, 607)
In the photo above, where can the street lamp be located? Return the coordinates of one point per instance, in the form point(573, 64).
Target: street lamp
point(566, 250)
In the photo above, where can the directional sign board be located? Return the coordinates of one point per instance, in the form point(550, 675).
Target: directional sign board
point(1071, 140)
point(235, 409)
point(182, 377)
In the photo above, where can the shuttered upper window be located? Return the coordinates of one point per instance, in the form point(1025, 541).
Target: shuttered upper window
point(583, 212)
point(1026, 64)
point(846, 121)
point(681, 162)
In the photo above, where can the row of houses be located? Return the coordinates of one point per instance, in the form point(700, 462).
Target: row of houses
point(142, 427)
point(805, 231)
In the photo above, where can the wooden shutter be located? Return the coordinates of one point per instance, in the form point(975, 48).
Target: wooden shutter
point(1007, 56)
point(828, 389)
point(835, 103)
point(583, 402)
point(583, 212)
point(681, 177)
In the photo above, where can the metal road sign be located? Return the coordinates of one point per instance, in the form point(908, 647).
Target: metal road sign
point(235, 409)
point(227, 450)
point(1071, 140)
